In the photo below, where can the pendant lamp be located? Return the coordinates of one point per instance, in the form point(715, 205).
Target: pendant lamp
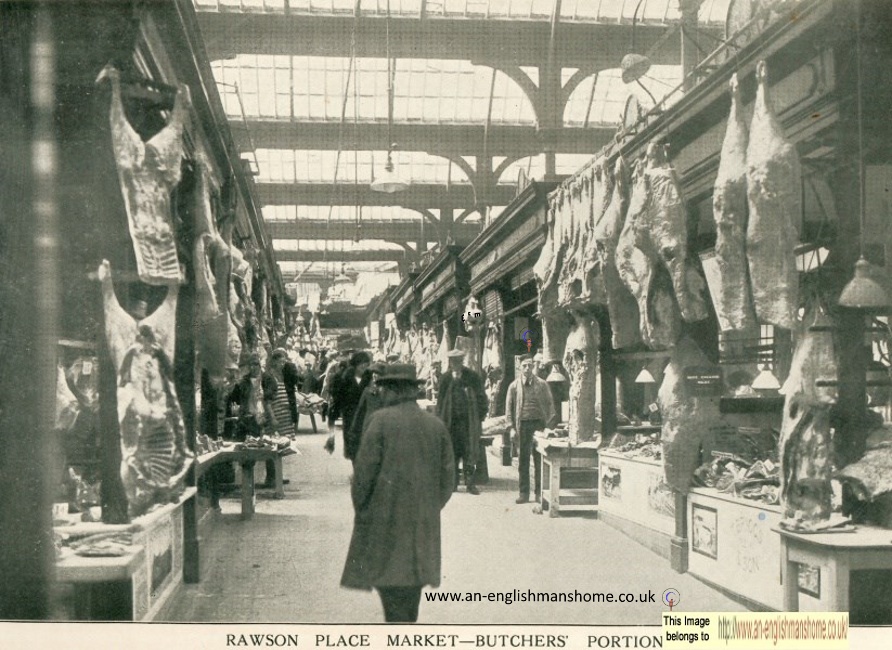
point(645, 377)
point(342, 278)
point(389, 181)
point(765, 380)
point(556, 376)
point(862, 291)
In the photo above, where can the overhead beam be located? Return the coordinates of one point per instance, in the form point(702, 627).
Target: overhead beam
point(373, 255)
point(417, 196)
point(438, 139)
point(401, 229)
point(486, 42)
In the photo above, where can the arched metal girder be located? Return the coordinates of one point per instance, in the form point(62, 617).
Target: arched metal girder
point(487, 42)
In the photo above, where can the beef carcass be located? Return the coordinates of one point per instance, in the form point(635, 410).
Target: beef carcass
point(555, 321)
point(774, 187)
point(659, 322)
point(594, 290)
point(575, 207)
point(805, 440)
point(581, 361)
point(686, 417)
point(661, 232)
point(154, 457)
point(148, 172)
point(621, 304)
point(733, 300)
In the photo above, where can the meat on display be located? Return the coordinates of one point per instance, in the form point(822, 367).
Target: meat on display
point(686, 417)
point(621, 305)
point(154, 457)
point(661, 231)
point(805, 439)
point(593, 288)
point(775, 206)
point(733, 299)
point(148, 172)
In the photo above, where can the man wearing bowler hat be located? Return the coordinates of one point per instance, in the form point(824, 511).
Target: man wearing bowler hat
point(402, 478)
point(462, 405)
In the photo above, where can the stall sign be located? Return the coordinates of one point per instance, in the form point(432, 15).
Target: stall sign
point(703, 381)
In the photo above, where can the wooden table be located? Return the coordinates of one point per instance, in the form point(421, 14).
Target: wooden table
point(839, 554)
point(569, 474)
point(246, 458)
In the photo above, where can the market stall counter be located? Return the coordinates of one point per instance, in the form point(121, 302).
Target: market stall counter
point(246, 457)
point(569, 474)
point(122, 572)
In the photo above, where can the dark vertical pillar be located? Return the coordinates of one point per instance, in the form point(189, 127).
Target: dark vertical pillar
point(29, 251)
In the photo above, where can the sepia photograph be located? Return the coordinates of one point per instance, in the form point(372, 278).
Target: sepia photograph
point(532, 323)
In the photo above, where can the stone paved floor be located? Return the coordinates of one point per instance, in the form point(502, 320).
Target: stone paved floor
point(285, 564)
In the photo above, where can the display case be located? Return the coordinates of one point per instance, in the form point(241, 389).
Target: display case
point(635, 499)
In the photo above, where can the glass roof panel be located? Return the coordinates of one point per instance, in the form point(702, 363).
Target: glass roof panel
point(318, 166)
point(610, 94)
point(312, 88)
point(346, 213)
point(603, 11)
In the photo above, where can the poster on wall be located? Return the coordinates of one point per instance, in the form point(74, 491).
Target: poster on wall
point(660, 497)
point(160, 559)
point(611, 482)
point(704, 531)
point(810, 580)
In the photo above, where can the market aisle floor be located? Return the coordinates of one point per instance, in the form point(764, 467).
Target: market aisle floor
point(285, 564)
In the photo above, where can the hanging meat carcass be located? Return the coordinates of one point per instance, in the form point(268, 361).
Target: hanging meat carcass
point(593, 289)
point(213, 267)
point(661, 232)
point(686, 417)
point(659, 321)
point(148, 172)
point(154, 457)
point(774, 186)
point(805, 440)
point(555, 321)
point(733, 300)
point(581, 361)
point(621, 304)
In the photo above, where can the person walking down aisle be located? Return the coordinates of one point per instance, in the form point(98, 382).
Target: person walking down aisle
point(370, 402)
point(346, 391)
point(462, 404)
point(402, 479)
point(529, 408)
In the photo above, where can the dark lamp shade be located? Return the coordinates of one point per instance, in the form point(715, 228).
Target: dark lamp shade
point(634, 66)
point(863, 292)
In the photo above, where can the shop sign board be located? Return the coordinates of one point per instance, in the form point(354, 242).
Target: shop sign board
point(703, 381)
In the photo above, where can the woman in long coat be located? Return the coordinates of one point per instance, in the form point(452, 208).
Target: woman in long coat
point(402, 478)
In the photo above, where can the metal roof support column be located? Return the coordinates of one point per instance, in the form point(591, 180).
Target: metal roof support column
point(689, 54)
point(550, 84)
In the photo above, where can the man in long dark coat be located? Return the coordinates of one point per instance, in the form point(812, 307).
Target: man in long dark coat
point(402, 478)
point(462, 404)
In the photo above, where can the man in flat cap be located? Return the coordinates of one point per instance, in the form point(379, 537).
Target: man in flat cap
point(462, 405)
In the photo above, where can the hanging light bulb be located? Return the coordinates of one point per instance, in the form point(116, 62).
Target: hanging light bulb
point(389, 181)
point(765, 380)
point(644, 377)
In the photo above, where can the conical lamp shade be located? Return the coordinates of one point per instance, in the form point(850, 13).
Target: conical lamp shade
point(765, 380)
point(644, 377)
point(862, 291)
point(389, 181)
point(634, 66)
point(555, 376)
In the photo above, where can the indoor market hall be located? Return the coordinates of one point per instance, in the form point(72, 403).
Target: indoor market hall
point(564, 316)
